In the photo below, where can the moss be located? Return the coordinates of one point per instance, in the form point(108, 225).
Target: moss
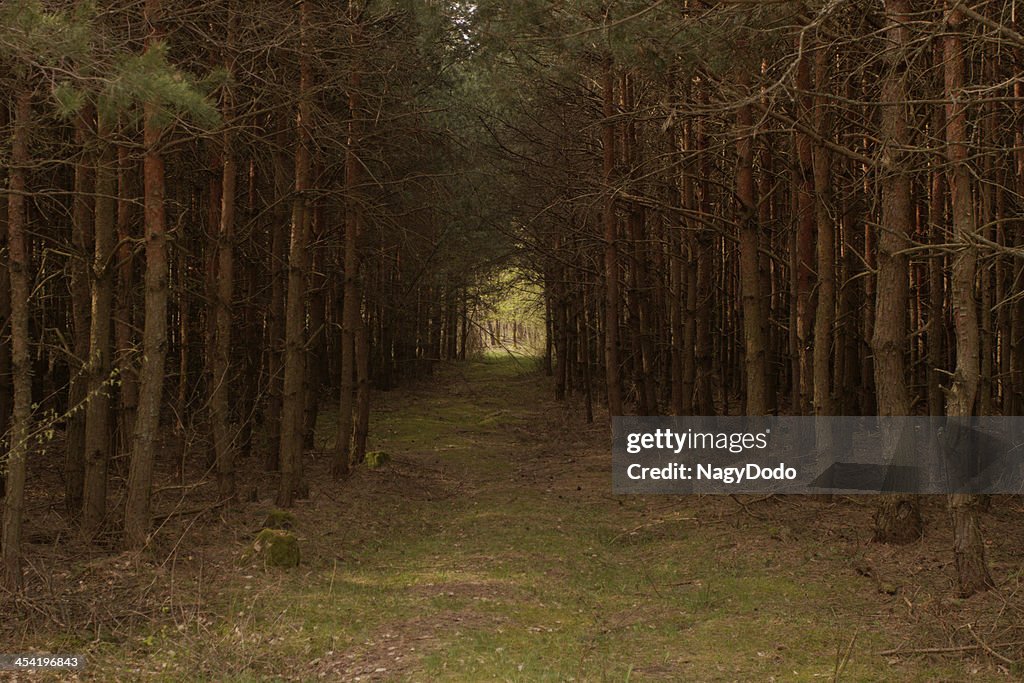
point(278, 519)
point(531, 580)
point(376, 459)
point(277, 548)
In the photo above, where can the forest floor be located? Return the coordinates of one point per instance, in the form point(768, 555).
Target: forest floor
point(491, 548)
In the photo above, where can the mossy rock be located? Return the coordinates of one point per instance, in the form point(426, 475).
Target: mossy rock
point(377, 459)
point(277, 548)
point(278, 519)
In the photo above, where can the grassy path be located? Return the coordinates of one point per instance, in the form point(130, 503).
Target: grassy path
point(490, 548)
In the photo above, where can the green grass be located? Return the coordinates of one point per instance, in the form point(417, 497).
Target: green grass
point(527, 571)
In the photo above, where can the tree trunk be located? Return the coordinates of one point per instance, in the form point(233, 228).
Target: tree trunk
point(825, 315)
point(611, 254)
point(804, 255)
point(463, 324)
point(584, 339)
point(82, 238)
point(292, 399)
point(316, 351)
point(750, 275)
point(362, 428)
point(154, 334)
point(97, 416)
point(678, 297)
point(124, 327)
point(276, 308)
point(898, 519)
point(1017, 316)
point(968, 543)
point(352, 301)
point(6, 389)
point(220, 366)
point(639, 297)
point(936, 319)
point(21, 364)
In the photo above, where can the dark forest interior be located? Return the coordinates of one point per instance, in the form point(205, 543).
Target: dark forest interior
point(313, 317)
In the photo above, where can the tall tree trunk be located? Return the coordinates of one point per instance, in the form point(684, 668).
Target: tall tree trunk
point(702, 257)
point(463, 324)
point(124, 327)
point(678, 296)
point(362, 427)
point(986, 215)
point(1017, 316)
point(968, 543)
point(584, 340)
point(611, 254)
point(691, 247)
point(937, 218)
point(154, 333)
point(97, 415)
point(181, 313)
point(6, 388)
point(750, 276)
point(316, 357)
point(276, 309)
point(804, 254)
point(351, 312)
point(559, 318)
point(898, 518)
point(293, 404)
point(21, 364)
point(220, 366)
point(765, 214)
point(82, 238)
point(825, 315)
point(641, 263)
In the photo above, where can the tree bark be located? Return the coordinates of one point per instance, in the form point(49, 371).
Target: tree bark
point(292, 399)
point(968, 543)
point(97, 416)
point(750, 275)
point(82, 238)
point(276, 309)
point(935, 335)
point(154, 334)
point(804, 254)
point(21, 364)
point(220, 366)
point(315, 352)
point(351, 311)
point(898, 519)
point(6, 387)
point(362, 427)
point(124, 327)
point(611, 254)
point(825, 315)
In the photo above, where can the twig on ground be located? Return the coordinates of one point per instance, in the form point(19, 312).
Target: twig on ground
point(649, 524)
point(898, 652)
point(160, 519)
point(747, 509)
point(985, 646)
point(843, 658)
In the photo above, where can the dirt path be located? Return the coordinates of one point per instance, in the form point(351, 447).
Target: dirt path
point(491, 548)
